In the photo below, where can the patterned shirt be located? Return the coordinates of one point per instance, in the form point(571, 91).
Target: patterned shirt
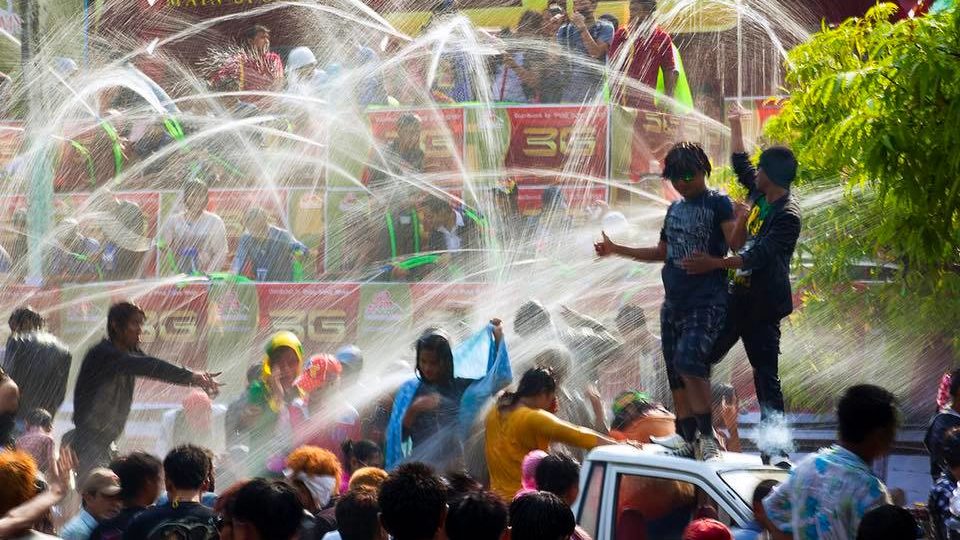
point(939, 505)
point(825, 496)
point(39, 445)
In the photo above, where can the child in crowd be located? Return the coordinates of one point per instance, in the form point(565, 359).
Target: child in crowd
point(38, 442)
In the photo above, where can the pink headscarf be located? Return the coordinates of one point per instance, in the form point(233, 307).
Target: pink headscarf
point(198, 410)
point(528, 472)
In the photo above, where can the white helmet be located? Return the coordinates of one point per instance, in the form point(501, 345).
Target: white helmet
point(65, 66)
point(300, 57)
point(615, 225)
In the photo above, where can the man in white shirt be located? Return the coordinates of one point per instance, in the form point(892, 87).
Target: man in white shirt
point(193, 240)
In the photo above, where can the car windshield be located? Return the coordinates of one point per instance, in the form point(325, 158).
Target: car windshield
point(745, 481)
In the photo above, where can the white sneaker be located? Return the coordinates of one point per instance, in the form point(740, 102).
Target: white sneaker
point(686, 450)
point(708, 449)
point(675, 445)
point(673, 442)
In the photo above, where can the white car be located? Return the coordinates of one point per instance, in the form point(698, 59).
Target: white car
point(633, 494)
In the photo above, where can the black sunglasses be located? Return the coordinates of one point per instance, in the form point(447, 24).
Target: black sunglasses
point(685, 178)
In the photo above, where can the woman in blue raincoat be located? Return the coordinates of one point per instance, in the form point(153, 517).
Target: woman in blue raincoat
point(432, 413)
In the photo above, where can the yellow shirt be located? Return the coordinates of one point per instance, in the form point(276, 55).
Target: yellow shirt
point(514, 433)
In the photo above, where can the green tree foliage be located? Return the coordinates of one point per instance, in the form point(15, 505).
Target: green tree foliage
point(874, 117)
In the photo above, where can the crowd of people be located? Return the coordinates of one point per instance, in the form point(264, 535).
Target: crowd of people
point(551, 57)
point(478, 441)
point(191, 240)
point(294, 461)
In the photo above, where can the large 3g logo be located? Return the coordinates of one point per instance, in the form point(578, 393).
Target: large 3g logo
point(550, 141)
point(325, 325)
point(438, 144)
point(172, 326)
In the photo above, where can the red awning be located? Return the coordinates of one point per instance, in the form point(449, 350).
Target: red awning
point(835, 11)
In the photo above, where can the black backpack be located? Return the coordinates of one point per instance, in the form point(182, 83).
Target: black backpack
point(185, 528)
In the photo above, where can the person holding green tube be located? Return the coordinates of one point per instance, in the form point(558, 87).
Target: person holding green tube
point(267, 252)
point(193, 241)
point(75, 257)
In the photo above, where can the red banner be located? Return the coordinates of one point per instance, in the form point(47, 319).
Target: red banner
point(441, 139)
point(548, 141)
point(530, 198)
point(445, 305)
point(175, 331)
point(323, 315)
point(768, 108)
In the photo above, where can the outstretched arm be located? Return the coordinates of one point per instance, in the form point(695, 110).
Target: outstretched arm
point(147, 366)
point(606, 247)
point(782, 238)
point(579, 320)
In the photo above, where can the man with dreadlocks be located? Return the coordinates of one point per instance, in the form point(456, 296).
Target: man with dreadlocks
point(694, 306)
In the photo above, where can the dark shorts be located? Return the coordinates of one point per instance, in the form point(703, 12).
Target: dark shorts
point(687, 337)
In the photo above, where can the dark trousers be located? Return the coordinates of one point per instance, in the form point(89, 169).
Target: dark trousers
point(761, 339)
point(93, 450)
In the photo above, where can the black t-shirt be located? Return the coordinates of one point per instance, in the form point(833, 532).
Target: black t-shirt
point(396, 162)
point(191, 515)
point(428, 423)
point(693, 225)
point(434, 433)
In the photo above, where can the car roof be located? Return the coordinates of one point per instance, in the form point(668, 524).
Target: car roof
point(653, 455)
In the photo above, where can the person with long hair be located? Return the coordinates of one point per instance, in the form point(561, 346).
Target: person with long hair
point(357, 455)
point(523, 421)
point(103, 395)
point(254, 68)
point(433, 413)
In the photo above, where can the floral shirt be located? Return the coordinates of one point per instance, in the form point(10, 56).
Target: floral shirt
point(945, 524)
point(825, 496)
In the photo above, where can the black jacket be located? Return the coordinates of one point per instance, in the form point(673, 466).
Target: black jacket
point(768, 251)
point(104, 390)
point(40, 364)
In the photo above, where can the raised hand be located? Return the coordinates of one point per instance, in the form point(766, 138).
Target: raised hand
point(605, 247)
point(497, 329)
point(207, 382)
point(578, 20)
